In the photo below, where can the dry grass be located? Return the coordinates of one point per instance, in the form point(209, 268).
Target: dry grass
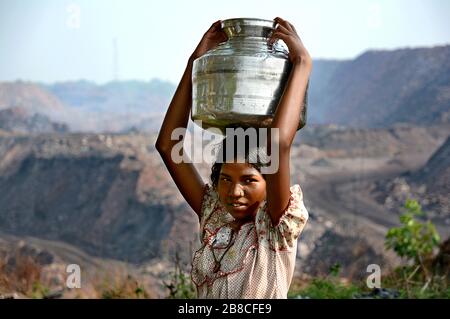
point(119, 284)
point(21, 274)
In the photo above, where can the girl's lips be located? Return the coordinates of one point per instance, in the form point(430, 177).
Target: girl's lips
point(237, 206)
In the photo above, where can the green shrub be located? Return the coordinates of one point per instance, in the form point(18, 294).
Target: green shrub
point(39, 291)
point(325, 288)
point(413, 240)
point(329, 287)
point(180, 285)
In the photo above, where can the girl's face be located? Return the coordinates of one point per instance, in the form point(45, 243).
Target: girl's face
point(241, 190)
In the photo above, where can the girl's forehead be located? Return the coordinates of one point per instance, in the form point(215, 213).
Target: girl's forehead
point(239, 169)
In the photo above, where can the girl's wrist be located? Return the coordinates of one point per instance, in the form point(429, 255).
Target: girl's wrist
point(303, 59)
point(192, 58)
point(195, 55)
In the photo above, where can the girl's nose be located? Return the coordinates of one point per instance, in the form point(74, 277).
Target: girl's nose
point(236, 190)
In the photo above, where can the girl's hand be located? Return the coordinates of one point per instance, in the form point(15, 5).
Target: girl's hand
point(286, 32)
point(210, 39)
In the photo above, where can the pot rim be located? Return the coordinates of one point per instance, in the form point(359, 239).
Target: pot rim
point(248, 21)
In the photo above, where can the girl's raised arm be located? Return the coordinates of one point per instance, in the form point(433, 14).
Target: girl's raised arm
point(287, 116)
point(185, 175)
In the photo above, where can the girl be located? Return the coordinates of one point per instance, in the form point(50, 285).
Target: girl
point(249, 222)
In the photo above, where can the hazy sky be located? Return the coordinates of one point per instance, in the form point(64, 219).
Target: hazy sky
point(59, 40)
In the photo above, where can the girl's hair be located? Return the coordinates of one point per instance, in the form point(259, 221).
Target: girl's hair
point(255, 156)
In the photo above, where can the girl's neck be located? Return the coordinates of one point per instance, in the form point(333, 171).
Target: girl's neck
point(237, 223)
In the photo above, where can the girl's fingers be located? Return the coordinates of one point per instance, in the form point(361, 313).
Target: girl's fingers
point(284, 23)
point(216, 31)
point(283, 29)
point(293, 28)
point(223, 36)
point(280, 30)
point(215, 26)
point(278, 35)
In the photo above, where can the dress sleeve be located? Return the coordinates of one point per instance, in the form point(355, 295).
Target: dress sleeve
point(284, 235)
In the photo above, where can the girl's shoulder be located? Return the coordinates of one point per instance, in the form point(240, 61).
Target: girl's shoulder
point(295, 207)
point(284, 235)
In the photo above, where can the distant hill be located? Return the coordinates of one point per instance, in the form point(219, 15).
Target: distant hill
point(377, 89)
point(30, 108)
point(381, 88)
point(31, 97)
point(133, 97)
point(84, 106)
point(19, 120)
point(123, 106)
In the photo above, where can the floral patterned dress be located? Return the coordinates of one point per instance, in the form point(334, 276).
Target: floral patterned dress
point(255, 262)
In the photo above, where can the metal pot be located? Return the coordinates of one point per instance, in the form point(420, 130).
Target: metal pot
point(240, 82)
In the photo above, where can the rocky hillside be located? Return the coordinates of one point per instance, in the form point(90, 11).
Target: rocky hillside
point(342, 141)
point(380, 88)
point(20, 120)
point(108, 195)
point(111, 195)
point(430, 185)
point(436, 172)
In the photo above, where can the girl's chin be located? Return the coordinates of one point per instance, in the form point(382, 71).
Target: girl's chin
point(239, 214)
point(239, 211)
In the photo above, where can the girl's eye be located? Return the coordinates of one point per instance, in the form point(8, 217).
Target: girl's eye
point(225, 179)
point(249, 180)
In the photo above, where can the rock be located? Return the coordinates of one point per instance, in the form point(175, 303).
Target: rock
point(13, 295)
point(379, 293)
